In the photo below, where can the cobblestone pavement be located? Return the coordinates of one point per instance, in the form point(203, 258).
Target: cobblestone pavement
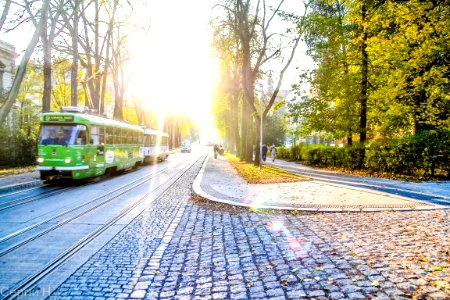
point(218, 251)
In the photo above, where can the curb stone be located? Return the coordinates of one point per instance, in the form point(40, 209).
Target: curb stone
point(20, 186)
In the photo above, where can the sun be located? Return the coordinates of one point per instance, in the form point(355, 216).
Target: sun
point(172, 69)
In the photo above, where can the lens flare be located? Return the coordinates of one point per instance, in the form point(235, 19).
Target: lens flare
point(258, 199)
point(277, 225)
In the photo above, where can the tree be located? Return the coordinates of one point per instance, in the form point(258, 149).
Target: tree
point(259, 47)
point(331, 106)
point(409, 51)
point(228, 94)
point(5, 13)
point(20, 73)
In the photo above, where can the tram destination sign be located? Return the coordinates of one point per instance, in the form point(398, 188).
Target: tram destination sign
point(58, 118)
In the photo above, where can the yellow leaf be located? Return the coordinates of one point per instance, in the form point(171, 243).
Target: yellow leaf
point(375, 283)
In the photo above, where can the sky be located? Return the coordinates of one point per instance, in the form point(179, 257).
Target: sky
point(172, 66)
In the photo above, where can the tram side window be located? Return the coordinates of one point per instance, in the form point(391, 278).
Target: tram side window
point(81, 135)
point(124, 136)
point(95, 138)
point(116, 136)
point(123, 140)
point(101, 135)
point(141, 139)
point(130, 137)
point(109, 135)
point(164, 141)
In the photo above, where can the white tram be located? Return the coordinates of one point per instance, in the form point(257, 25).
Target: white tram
point(155, 145)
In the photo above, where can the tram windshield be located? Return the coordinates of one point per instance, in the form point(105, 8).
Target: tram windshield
point(55, 134)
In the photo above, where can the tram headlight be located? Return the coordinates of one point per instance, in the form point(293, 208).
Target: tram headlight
point(67, 160)
point(40, 160)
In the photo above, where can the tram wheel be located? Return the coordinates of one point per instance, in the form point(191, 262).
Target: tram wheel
point(44, 174)
point(110, 172)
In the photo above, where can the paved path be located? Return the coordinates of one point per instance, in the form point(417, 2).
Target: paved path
point(20, 181)
point(434, 191)
point(220, 251)
point(218, 181)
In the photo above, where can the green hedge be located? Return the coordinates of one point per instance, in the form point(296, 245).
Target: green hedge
point(426, 154)
point(18, 148)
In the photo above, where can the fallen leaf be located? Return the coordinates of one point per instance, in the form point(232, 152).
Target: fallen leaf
point(294, 270)
point(375, 283)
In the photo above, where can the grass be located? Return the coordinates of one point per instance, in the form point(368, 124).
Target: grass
point(17, 170)
point(266, 174)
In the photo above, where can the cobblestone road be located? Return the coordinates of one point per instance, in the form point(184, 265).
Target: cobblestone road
point(218, 252)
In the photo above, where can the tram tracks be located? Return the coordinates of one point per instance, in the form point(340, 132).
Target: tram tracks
point(44, 194)
point(121, 190)
point(26, 284)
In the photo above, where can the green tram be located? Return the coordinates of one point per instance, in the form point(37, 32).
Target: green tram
point(76, 145)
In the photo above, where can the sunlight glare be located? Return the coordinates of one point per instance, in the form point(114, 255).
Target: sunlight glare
point(172, 69)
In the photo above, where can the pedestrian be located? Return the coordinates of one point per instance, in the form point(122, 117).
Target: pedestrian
point(216, 150)
point(264, 152)
point(273, 152)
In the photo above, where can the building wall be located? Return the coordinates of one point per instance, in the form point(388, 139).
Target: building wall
point(7, 65)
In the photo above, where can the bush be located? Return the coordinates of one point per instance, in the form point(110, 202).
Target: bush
point(424, 154)
point(18, 149)
point(282, 152)
point(297, 152)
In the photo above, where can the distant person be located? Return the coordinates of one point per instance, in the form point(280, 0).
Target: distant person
point(273, 152)
point(216, 150)
point(264, 152)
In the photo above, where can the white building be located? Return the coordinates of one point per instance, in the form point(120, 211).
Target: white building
point(7, 66)
point(7, 71)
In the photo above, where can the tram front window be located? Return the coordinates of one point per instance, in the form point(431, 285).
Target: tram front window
point(63, 135)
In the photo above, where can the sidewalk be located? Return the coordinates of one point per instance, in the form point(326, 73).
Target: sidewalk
point(19, 181)
point(218, 181)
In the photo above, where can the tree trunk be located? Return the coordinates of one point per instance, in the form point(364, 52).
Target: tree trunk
point(364, 79)
point(235, 123)
point(74, 69)
point(257, 160)
point(5, 13)
point(47, 49)
point(244, 131)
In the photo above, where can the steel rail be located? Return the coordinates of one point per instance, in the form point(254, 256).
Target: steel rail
point(125, 188)
point(32, 198)
point(21, 288)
